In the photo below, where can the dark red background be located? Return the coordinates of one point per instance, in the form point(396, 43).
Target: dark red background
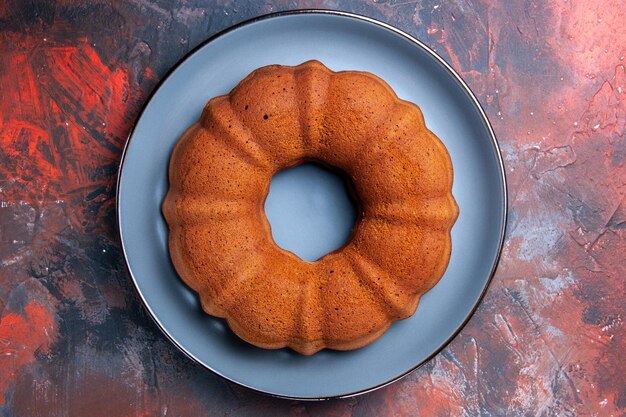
point(549, 336)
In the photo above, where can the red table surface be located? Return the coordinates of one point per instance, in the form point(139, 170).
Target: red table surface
point(548, 338)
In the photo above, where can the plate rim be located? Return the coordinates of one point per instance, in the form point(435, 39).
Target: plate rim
point(492, 137)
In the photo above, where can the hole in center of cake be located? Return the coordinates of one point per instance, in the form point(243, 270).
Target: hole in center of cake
point(310, 210)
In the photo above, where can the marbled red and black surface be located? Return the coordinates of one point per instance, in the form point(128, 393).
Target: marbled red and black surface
point(549, 338)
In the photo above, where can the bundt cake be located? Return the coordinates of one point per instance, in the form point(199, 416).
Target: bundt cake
point(220, 240)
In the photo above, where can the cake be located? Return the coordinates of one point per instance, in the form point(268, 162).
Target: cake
point(220, 240)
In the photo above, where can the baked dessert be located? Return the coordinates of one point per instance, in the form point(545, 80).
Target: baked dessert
point(220, 240)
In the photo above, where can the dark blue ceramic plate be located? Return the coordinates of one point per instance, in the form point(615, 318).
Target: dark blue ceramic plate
point(342, 42)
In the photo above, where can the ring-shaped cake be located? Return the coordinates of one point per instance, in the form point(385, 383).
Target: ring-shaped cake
point(220, 240)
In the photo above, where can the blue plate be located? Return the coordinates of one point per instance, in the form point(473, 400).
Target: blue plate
point(341, 41)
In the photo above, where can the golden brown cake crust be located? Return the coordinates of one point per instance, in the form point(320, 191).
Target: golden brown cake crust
point(220, 240)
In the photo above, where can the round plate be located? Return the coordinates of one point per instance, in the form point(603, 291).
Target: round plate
point(341, 41)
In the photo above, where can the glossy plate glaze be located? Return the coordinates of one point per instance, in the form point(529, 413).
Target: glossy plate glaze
point(342, 42)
